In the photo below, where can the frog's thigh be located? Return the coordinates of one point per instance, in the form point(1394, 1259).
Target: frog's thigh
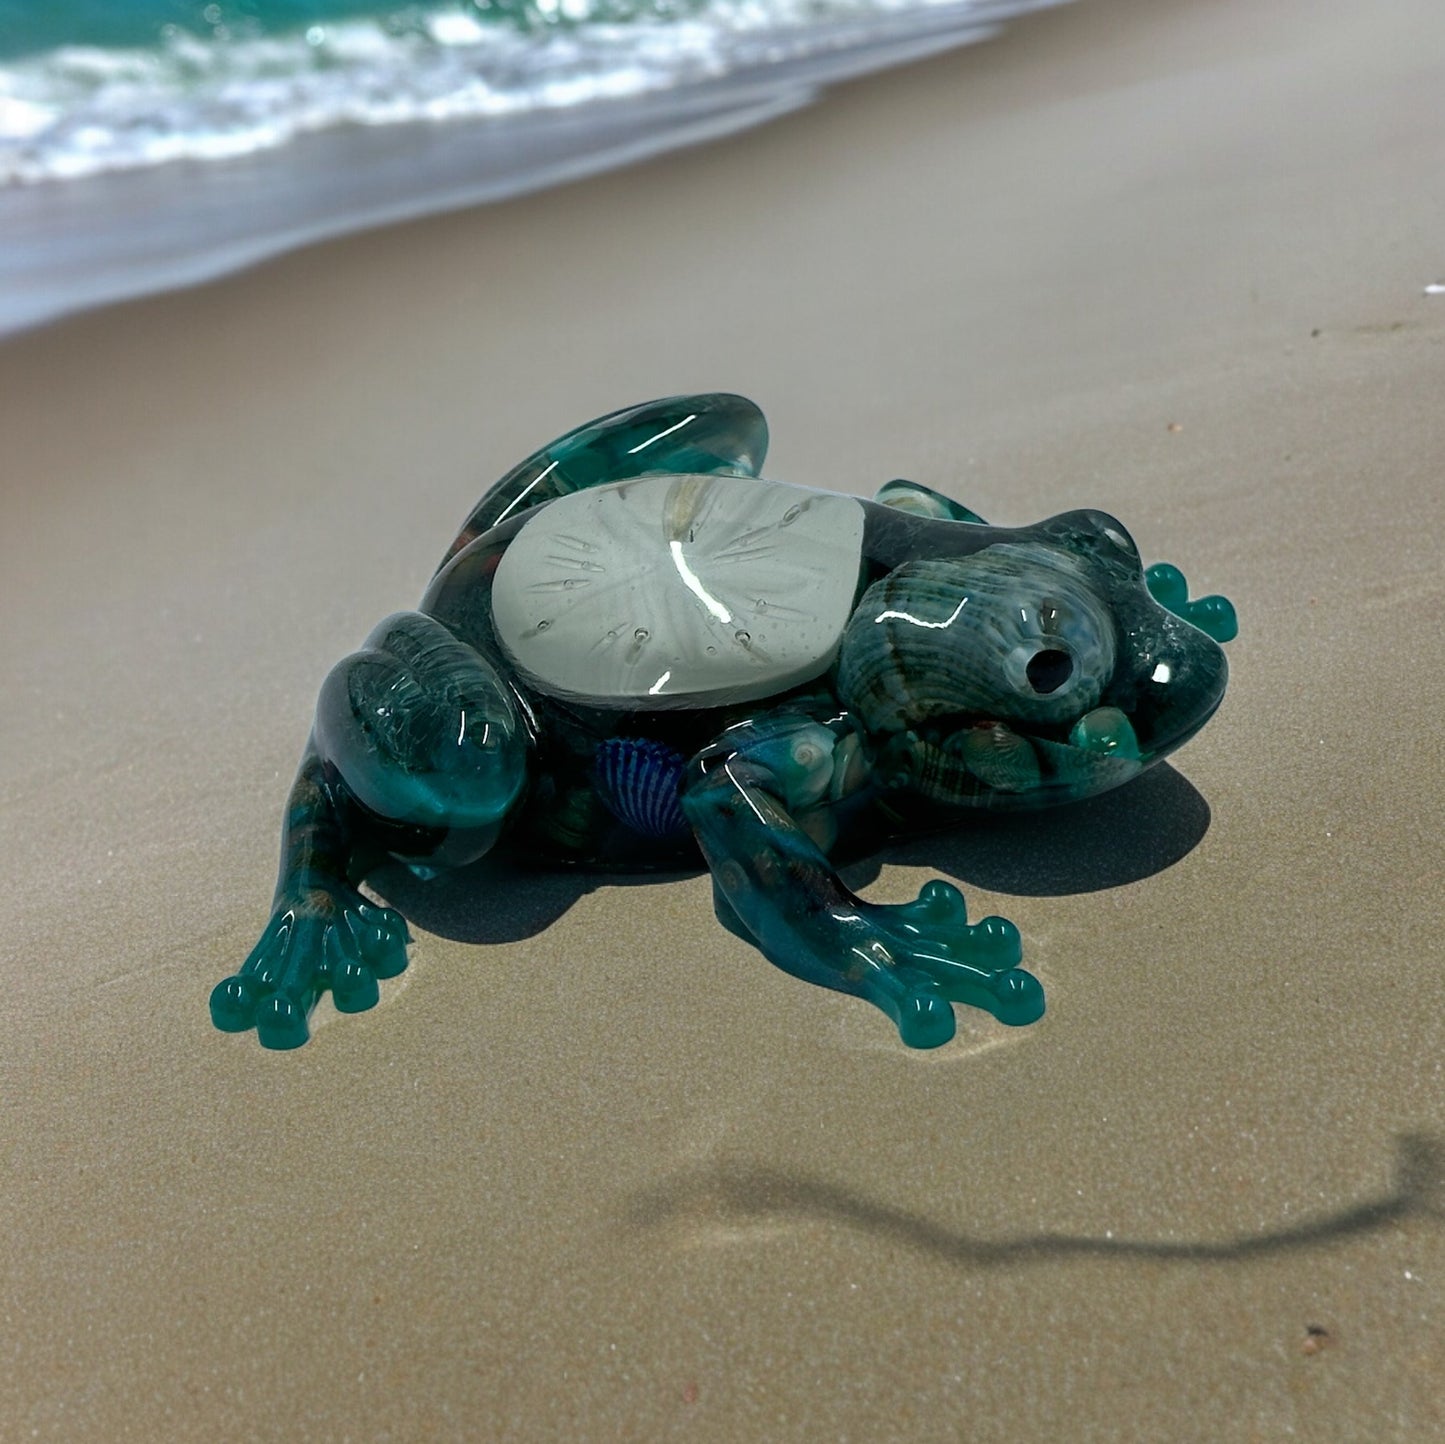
point(424, 729)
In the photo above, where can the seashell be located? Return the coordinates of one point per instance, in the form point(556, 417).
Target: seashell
point(939, 772)
point(1000, 757)
point(807, 771)
point(936, 772)
point(1014, 632)
point(638, 781)
point(850, 767)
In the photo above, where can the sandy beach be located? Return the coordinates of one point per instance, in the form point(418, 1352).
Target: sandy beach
point(593, 1170)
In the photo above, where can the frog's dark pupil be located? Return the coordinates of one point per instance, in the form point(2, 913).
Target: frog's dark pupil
point(1048, 670)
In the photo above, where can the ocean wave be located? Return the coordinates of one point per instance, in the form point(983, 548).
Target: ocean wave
point(83, 110)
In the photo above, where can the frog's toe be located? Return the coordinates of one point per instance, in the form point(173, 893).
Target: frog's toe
point(922, 1015)
point(234, 1002)
point(353, 987)
point(926, 1020)
point(281, 1023)
point(1216, 617)
point(939, 904)
point(382, 935)
point(1018, 998)
point(994, 944)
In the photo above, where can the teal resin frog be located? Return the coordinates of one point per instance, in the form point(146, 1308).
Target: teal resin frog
point(638, 654)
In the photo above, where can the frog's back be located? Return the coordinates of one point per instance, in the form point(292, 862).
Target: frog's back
point(679, 591)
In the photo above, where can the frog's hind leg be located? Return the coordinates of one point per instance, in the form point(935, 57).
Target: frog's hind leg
point(748, 798)
point(919, 500)
point(419, 750)
point(712, 433)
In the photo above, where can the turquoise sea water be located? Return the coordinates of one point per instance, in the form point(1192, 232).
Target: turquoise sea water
point(217, 110)
point(36, 25)
point(30, 26)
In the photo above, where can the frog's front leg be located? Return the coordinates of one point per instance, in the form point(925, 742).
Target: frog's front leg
point(322, 932)
point(773, 881)
point(418, 750)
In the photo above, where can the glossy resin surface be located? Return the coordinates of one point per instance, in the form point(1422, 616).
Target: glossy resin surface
point(639, 654)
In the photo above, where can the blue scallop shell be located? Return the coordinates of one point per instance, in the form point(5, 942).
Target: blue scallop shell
point(638, 780)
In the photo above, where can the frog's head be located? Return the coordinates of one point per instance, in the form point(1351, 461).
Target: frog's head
point(1037, 667)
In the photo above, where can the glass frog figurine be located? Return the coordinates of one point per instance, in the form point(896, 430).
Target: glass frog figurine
point(639, 654)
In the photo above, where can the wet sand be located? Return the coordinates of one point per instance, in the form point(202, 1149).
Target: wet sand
point(593, 1169)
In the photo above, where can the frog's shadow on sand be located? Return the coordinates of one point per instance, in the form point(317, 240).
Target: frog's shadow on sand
point(1120, 837)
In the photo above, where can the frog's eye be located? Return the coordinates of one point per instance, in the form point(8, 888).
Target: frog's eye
point(1048, 670)
point(1121, 539)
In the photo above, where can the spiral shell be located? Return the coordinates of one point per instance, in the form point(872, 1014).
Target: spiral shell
point(1014, 632)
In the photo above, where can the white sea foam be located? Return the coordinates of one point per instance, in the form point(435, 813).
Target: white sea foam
point(80, 111)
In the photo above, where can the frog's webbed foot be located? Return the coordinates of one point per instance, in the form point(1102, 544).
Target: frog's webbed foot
point(1213, 615)
point(922, 956)
point(919, 500)
point(329, 938)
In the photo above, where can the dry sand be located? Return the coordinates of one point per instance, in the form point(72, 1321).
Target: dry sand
point(614, 1177)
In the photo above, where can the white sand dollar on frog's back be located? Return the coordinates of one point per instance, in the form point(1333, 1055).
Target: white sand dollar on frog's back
point(679, 590)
